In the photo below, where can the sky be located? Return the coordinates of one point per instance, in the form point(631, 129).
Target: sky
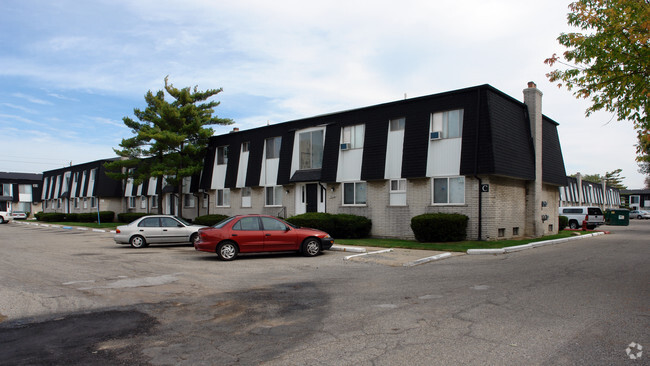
point(71, 70)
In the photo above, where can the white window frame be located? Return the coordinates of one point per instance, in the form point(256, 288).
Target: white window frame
point(397, 124)
point(188, 200)
point(356, 200)
point(154, 201)
point(85, 202)
point(312, 164)
point(440, 122)
point(131, 200)
point(273, 145)
point(76, 202)
point(222, 155)
point(275, 196)
point(143, 202)
point(353, 136)
point(397, 189)
point(447, 202)
point(245, 146)
point(223, 197)
point(246, 194)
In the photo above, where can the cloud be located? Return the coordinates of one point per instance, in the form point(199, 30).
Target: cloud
point(32, 99)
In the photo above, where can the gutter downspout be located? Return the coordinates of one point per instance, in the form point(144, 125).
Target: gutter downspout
point(480, 181)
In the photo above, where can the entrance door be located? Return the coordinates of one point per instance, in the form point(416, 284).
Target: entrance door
point(312, 197)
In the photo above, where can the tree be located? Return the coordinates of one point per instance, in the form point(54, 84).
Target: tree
point(611, 60)
point(170, 138)
point(612, 179)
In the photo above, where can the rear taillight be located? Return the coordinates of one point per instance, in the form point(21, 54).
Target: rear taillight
point(117, 231)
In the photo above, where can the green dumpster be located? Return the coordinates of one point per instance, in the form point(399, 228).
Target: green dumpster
point(617, 217)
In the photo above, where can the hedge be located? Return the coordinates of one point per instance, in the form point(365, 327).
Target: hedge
point(104, 216)
point(128, 217)
point(339, 226)
point(439, 227)
point(563, 222)
point(208, 220)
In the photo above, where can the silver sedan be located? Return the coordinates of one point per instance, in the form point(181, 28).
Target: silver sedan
point(156, 229)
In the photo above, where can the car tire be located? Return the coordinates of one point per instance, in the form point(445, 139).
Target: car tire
point(638, 217)
point(2, 220)
point(573, 224)
point(194, 238)
point(227, 251)
point(310, 247)
point(138, 241)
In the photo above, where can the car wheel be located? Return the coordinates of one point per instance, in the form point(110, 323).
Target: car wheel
point(2, 220)
point(310, 247)
point(194, 238)
point(573, 224)
point(638, 217)
point(138, 241)
point(227, 251)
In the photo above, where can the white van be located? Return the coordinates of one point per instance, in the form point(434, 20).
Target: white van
point(592, 215)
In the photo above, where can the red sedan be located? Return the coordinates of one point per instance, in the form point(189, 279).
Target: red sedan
point(260, 233)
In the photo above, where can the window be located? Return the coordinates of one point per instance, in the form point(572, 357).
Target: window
point(354, 193)
point(222, 155)
point(206, 199)
point(223, 197)
point(270, 224)
point(273, 196)
point(44, 204)
point(247, 224)
point(501, 232)
point(154, 201)
point(245, 146)
point(169, 222)
point(449, 122)
point(246, 197)
point(397, 124)
point(449, 190)
point(131, 202)
point(143, 201)
point(273, 147)
point(188, 200)
point(93, 202)
point(85, 202)
point(515, 231)
point(398, 192)
point(76, 202)
point(150, 222)
point(311, 149)
point(353, 135)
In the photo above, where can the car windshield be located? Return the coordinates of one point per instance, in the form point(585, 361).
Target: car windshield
point(221, 224)
point(183, 221)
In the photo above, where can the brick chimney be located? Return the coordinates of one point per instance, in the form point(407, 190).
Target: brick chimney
point(533, 100)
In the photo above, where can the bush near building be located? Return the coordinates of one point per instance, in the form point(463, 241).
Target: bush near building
point(439, 227)
point(127, 217)
point(563, 222)
point(208, 220)
point(104, 216)
point(339, 226)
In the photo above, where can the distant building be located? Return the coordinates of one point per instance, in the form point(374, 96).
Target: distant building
point(579, 192)
point(637, 199)
point(20, 192)
point(81, 188)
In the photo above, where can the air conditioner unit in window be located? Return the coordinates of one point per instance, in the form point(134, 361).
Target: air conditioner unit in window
point(345, 146)
point(436, 135)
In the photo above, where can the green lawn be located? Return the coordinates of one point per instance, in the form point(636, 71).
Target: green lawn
point(94, 225)
point(460, 246)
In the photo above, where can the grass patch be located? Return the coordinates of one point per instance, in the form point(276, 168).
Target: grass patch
point(93, 225)
point(460, 246)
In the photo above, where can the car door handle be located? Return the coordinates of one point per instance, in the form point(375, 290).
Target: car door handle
point(234, 234)
point(268, 234)
point(164, 229)
point(141, 229)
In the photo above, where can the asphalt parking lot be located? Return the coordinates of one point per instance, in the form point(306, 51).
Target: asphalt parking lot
point(75, 297)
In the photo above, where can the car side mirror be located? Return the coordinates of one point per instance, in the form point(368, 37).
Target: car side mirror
point(179, 225)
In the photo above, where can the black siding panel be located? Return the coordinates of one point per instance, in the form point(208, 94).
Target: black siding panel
point(331, 153)
point(234, 151)
point(374, 144)
point(16, 193)
point(553, 170)
point(286, 151)
point(208, 166)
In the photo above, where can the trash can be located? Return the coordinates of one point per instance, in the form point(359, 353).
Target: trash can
point(617, 217)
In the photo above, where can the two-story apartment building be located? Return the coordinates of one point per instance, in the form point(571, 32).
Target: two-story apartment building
point(20, 191)
point(474, 151)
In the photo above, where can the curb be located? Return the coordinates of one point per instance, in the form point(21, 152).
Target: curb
point(367, 253)
point(532, 245)
point(427, 259)
point(340, 248)
point(68, 227)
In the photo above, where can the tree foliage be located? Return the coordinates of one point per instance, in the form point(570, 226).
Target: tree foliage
point(170, 138)
point(610, 61)
point(612, 179)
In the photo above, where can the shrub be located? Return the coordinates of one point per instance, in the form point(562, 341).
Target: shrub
point(127, 217)
point(38, 215)
point(73, 217)
point(208, 220)
point(439, 227)
point(340, 226)
point(563, 222)
point(51, 216)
